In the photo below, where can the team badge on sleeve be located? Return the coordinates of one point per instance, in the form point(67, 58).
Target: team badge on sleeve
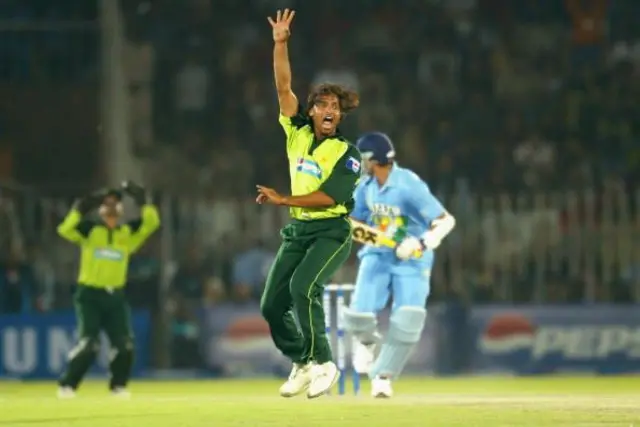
point(353, 164)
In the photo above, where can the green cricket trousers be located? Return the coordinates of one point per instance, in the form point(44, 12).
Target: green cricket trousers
point(97, 310)
point(311, 252)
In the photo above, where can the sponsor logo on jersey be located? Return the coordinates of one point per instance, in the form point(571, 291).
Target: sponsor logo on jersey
point(388, 219)
point(108, 254)
point(309, 167)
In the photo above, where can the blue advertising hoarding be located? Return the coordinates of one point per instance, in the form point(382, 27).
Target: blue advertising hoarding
point(524, 340)
point(35, 346)
point(236, 341)
point(603, 339)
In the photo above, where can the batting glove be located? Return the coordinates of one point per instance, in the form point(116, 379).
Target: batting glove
point(409, 248)
point(430, 241)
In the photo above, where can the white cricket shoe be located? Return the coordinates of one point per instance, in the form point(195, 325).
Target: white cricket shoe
point(363, 357)
point(120, 393)
point(381, 388)
point(298, 381)
point(66, 392)
point(323, 378)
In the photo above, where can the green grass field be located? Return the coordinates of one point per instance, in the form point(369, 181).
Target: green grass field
point(469, 402)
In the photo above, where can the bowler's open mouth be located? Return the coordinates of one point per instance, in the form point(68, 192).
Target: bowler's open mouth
point(327, 121)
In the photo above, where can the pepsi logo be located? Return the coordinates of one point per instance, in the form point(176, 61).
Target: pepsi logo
point(506, 333)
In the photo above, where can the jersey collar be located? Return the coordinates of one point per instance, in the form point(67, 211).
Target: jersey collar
point(104, 224)
point(392, 180)
point(337, 135)
point(316, 141)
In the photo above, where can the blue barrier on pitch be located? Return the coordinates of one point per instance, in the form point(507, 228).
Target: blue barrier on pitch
point(35, 346)
point(599, 338)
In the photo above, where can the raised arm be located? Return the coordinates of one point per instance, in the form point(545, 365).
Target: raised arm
point(150, 219)
point(281, 65)
point(68, 229)
point(73, 228)
point(144, 227)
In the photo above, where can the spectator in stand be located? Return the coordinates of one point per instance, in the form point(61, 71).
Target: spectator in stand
point(17, 285)
point(250, 269)
point(189, 280)
point(475, 79)
point(588, 23)
point(143, 287)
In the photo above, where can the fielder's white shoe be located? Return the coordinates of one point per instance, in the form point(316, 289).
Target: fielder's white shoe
point(381, 388)
point(299, 380)
point(323, 378)
point(66, 393)
point(121, 393)
point(363, 357)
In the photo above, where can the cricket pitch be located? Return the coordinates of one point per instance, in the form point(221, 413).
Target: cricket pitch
point(469, 402)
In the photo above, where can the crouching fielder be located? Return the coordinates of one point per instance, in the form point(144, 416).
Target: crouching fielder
point(397, 201)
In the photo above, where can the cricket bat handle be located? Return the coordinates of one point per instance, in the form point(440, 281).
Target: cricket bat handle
point(367, 235)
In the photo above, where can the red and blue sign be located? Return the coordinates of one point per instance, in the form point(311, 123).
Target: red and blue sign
point(549, 339)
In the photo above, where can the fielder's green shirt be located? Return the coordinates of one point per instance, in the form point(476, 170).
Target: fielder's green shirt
point(105, 252)
point(330, 165)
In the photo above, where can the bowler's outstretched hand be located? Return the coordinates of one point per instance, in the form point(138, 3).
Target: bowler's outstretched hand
point(268, 195)
point(280, 26)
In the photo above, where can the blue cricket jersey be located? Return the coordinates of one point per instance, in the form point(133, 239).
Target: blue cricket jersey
point(403, 204)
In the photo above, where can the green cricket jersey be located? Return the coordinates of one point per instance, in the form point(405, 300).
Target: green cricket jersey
point(105, 252)
point(331, 165)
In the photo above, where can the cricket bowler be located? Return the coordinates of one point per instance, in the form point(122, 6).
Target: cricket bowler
point(324, 169)
point(99, 299)
point(395, 200)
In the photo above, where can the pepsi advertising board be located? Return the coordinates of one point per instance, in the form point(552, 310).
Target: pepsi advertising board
point(235, 340)
point(603, 339)
point(37, 346)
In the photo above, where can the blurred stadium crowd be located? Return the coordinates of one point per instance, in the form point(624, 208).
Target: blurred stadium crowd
point(504, 95)
point(522, 115)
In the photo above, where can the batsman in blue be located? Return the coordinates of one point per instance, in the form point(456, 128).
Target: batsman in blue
point(396, 201)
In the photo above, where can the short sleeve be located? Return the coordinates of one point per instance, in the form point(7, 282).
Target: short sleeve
point(292, 124)
point(428, 206)
point(344, 177)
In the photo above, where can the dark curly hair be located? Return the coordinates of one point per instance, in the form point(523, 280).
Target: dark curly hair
point(348, 99)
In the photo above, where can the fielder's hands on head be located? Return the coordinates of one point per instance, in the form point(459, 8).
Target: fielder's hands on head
point(86, 204)
point(268, 195)
point(408, 248)
point(281, 25)
point(137, 192)
point(90, 202)
point(131, 187)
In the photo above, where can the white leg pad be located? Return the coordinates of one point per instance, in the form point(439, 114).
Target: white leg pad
point(405, 330)
point(363, 326)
